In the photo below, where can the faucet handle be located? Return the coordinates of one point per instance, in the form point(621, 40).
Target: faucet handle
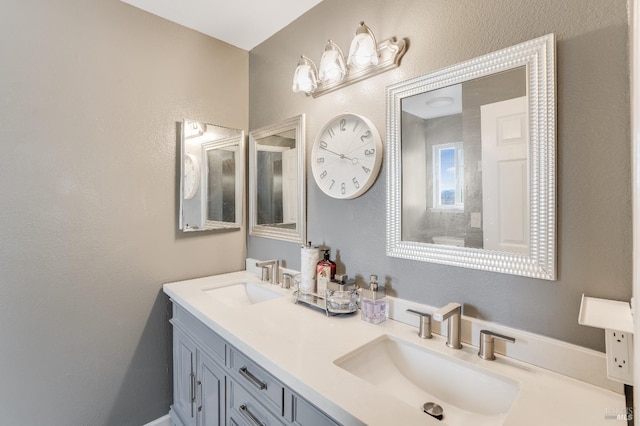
point(487, 340)
point(425, 323)
point(286, 279)
point(265, 272)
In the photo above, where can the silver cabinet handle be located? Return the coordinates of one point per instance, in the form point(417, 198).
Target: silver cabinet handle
point(249, 416)
point(192, 387)
point(192, 390)
point(200, 394)
point(253, 379)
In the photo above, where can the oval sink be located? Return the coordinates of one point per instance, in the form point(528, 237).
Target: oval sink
point(242, 293)
point(416, 375)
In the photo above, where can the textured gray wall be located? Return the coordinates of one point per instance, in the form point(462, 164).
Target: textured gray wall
point(90, 94)
point(594, 220)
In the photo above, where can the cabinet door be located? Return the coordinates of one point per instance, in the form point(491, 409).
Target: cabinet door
point(211, 385)
point(184, 356)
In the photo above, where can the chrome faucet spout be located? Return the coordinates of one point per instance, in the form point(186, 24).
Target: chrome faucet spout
point(453, 314)
point(272, 273)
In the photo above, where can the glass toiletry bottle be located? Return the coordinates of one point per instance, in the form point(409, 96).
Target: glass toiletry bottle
point(325, 273)
point(373, 303)
point(342, 295)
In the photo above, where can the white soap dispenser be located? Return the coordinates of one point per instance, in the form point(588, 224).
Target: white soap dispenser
point(373, 303)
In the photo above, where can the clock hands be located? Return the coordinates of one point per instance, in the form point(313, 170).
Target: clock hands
point(353, 160)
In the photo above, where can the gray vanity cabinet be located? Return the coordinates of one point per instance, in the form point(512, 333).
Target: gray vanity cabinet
point(198, 373)
point(184, 365)
point(210, 392)
point(215, 384)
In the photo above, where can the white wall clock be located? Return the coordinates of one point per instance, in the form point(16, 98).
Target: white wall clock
point(191, 171)
point(346, 156)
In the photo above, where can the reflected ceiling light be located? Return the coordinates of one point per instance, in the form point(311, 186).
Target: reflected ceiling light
point(304, 79)
point(332, 68)
point(364, 49)
point(366, 59)
point(440, 102)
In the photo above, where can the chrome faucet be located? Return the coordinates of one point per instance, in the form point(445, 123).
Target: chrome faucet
point(424, 330)
point(453, 313)
point(487, 340)
point(270, 270)
point(287, 279)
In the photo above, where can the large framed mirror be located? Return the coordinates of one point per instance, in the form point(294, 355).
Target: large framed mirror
point(277, 195)
point(471, 163)
point(212, 177)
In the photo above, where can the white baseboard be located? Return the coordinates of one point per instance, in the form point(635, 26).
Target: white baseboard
point(162, 421)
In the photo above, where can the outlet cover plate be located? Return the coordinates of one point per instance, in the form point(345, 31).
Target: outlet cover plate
point(619, 346)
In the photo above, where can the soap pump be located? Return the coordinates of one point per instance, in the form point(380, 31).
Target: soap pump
point(325, 273)
point(373, 303)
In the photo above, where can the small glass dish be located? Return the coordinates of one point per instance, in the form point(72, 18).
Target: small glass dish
point(341, 298)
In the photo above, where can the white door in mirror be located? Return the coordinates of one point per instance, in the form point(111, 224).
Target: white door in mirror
point(346, 156)
point(191, 171)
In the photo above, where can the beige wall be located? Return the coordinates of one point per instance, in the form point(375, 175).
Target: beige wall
point(90, 94)
point(594, 220)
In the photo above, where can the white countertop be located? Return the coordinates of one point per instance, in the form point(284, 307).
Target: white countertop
point(298, 345)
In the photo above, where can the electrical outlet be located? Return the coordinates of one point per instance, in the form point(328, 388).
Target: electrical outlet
point(619, 356)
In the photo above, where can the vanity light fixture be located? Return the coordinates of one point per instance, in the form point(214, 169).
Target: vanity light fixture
point(366, 59)
point(304, 79)
point(364, 49)
point(332, 68)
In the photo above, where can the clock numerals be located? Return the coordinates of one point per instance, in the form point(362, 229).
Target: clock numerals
point(332, 183)
point(369, 152)
point(323, 145)
point(366, 169)
point(343, 188)
point(355, 182)
point(331, 132)
point(323, 174)
point(343, 125)
point(320, 160)
point(366, 135)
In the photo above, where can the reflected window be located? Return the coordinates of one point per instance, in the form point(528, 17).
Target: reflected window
point(448, 176)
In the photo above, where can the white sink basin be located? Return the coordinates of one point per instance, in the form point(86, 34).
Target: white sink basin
point(242, 293)
point(415, 375)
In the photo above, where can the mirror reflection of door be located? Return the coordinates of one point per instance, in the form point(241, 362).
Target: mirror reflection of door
point(289, 188)
point(269, 186)
point(277, 177)
point(505, 175)
point(221, 185)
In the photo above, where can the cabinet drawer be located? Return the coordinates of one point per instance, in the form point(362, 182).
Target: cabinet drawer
point(203, 335)
point(263, 385)
point(300, 412)
point(245, 410)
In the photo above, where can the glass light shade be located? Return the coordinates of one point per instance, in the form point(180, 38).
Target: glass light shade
point(304, 78)
point(364, 49)
point(332, 68)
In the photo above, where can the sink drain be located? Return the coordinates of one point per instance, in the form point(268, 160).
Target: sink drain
point(433, 409)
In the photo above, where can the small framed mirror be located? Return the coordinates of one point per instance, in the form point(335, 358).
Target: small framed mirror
point(471, 163)
point(277, 196)
point(212, 177)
